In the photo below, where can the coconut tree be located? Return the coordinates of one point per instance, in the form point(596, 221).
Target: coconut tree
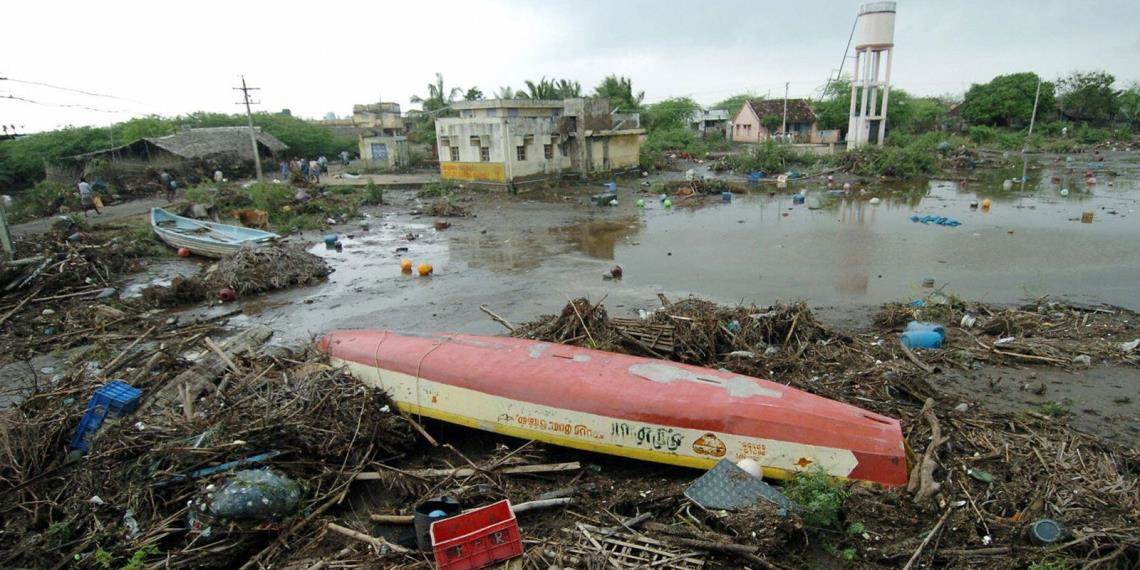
point(619, 90)
point(438, 97)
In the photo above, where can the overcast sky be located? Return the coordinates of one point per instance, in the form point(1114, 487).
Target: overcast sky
point(174, 57)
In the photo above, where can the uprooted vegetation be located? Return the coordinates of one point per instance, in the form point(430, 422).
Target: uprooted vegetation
point(288, 207)
point(249, 271)
point(984, 476)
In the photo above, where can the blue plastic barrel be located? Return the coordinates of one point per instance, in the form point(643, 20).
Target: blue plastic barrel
point(921, 339)
point(726, 196)
point(611, 186)
point(330, 239)
point(797, 198)
point(917, 326)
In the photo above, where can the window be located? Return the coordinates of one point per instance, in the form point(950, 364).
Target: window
point(512, 112)
point(492, 112)
point(548, 151)
point(485, 154)
point(454, 154)
point(520, 152)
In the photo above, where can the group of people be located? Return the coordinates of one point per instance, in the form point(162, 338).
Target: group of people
point(309, 169)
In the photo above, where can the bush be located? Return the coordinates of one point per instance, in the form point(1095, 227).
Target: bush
point(897, 162)
point(270, 197)
point(437, 189)
point(1123, 134)
point(982, 134)
point(373, 194)
point(1089, 135)
point(36, 202)
point(771, 158)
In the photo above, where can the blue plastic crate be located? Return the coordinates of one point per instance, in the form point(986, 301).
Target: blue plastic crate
point(117, 396)
point(115, 399)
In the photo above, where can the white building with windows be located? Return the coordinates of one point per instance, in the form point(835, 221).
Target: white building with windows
point(501, 141)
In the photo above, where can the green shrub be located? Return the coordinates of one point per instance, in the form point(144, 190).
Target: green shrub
point(897, 162)
point(819, 495)
point(1090, 135)
point(36, 201)
point(437, 189)
point(771, 157)
point(202, 194)
point(270, 197)
point(1123, 134)
point(1059, 145)
point(982, 134)
point(373, 194)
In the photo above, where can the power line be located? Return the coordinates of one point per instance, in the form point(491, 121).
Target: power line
point(80, 91)
point(66, 105)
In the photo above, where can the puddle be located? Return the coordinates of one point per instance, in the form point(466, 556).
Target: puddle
point(524, 255)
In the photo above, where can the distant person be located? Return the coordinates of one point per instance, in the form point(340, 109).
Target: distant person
point(315, 171)
point(304, 166)
point(344, 158)
point(168, 185)
point(324, 162)
point(87, 197)
point(218, 176)
point(284, 170)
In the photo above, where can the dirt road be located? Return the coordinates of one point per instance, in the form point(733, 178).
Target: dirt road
point(115, 213)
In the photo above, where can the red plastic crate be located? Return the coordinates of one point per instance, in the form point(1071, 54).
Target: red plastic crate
point(477, 538)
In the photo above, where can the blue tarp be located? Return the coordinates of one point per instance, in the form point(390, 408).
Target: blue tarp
point(939, 220)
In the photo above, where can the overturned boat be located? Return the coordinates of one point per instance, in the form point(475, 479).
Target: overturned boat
point(641, 408)
point(207, 239)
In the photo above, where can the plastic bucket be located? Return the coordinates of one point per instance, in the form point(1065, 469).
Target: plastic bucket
point(726, 196)
point(921, 339)
point(422, 519)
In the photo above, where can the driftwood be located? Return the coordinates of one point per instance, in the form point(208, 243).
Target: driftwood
point(377, 542)
point(925, 541)
point(922, 482)
point(469, 471)
point(210, 367)
point(516, 509)
point(497, 318)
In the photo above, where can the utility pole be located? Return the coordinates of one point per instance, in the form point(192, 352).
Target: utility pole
point(249, 117)
point(1025, 147)
point(784, 128)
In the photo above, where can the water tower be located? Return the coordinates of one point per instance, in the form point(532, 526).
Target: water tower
point(874, 40)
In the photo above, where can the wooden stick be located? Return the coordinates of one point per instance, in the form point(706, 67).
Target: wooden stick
point(221, 354)
point(377, 542)
point(468, 471)
point(1031, 356)
point(19, 305)
point(913, 358)
point(497, 318)
point(111, 366)
point(427, 436)
point(593, 343)
point(925, 541)
point(519, 508)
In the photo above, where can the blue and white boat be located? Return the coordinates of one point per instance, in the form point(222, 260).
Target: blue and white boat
point(208, 239)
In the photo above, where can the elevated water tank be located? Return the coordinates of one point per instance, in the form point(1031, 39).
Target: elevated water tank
point(875, 27)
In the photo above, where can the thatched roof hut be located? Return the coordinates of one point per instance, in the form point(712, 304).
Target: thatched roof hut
point(220, 144)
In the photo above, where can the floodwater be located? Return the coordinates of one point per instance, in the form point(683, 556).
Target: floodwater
point(525, 255)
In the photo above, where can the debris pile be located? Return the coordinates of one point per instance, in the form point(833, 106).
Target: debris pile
point(445, 208)
point(288, 431)
point(251, 270)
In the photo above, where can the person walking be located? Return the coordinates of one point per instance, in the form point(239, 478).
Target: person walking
point(87, 197)
point(168, 185)
point(324, 162)
point(315, 171)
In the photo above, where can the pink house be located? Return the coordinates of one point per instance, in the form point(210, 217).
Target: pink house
point(748, 126)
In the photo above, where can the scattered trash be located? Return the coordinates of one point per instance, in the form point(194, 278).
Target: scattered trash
point(616, 272)
point(424, 269)
point(254, 494)
point(986, 204)
point(921, 339)
point(978, 474)
point(112, 400)
point(1046, 531)
point(1083, 360)
point(936, 220)
point(1064, 192)
point(962, 408)
point(477, 538)
point(928, 283)
point(875, 201)
point(429, 511)
point(1130, 345)
point(330, 239)
point(1086, 217)
point(727, 486)
point(227, 295)
point(798, 198)
point(968, 320)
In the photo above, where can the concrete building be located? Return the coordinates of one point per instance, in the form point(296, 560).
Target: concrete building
point(710, 122)
point(748, 126)
point(371, 119)
point(384, 152)
point(500, 141)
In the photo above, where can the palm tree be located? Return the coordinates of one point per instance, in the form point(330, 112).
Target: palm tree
point(436, 98)
point(568, 89)
point(619, 90)
point(473, 94)
point(505, 92)
point(544, 89)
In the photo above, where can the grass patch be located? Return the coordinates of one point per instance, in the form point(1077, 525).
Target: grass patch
point(771, 157)
point(1054, 409)
point(373, 195)
point(819, 495)
point(437, 189)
